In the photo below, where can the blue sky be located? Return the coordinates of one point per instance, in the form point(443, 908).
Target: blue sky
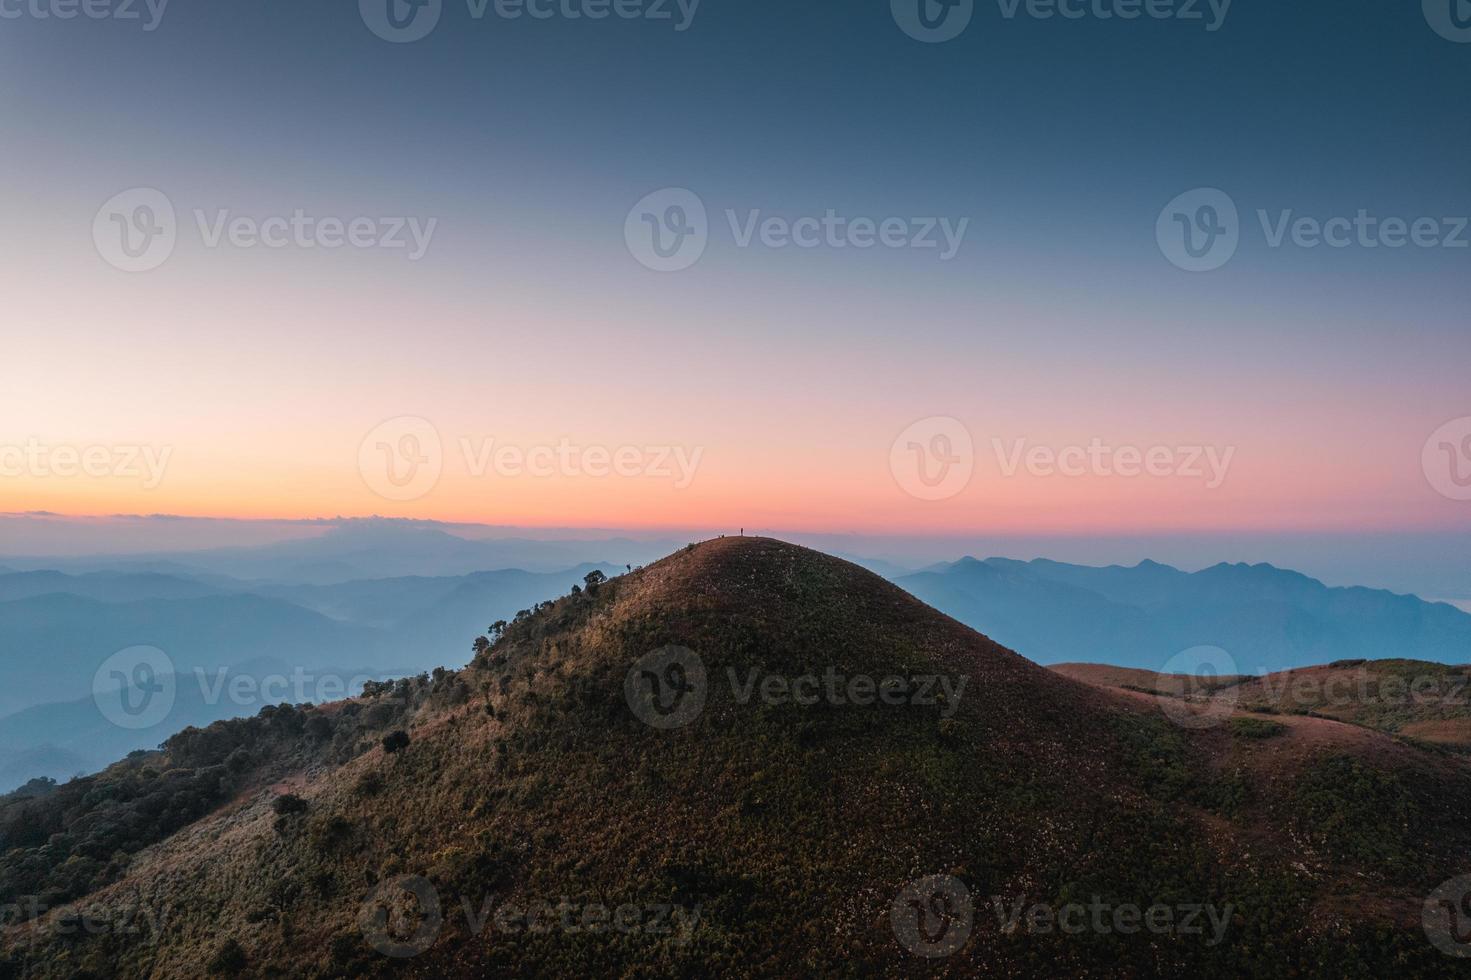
point(1058, 140)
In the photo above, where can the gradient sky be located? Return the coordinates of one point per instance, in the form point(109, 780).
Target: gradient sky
point(792, 371)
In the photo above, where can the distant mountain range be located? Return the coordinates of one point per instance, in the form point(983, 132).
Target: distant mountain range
point(365, 549)
point(57, 629)
point(1266, 618)
point(321, 604)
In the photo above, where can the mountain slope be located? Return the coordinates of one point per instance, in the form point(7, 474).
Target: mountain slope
point(1428, 702)
point(790, 835)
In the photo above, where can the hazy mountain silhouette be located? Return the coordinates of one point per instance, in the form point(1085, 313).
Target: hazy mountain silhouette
point(1267, 618)
point(367, 549)
point(52, 643)
point(62, 739)
point(103, 586)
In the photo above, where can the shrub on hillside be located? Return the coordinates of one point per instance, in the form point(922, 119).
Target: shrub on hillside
point(1256, 728)
point(228, 960)
point(287, 804)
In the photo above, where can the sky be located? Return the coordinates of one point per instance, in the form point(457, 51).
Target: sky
point(527, 360)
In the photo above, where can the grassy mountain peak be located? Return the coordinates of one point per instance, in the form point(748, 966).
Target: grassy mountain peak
point(755, 760)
